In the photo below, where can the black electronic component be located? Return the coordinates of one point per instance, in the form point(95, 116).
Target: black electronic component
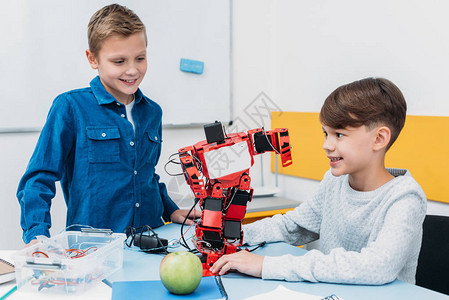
point(214, 133)
point(232, 229)
point(213, 238)
point(262, 143)
point(146, 242)
point(150, 242)
point(213, 204)
point(241, 198)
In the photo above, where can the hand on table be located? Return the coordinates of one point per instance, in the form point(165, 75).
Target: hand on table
point(32, 242)
point(179, 215)
point(242, 261)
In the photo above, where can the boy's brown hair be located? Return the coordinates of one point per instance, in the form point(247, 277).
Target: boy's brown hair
point(111, 20)
point(370, 102)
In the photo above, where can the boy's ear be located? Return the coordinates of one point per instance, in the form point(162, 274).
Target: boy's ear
point(383, 136)
point(92, 60)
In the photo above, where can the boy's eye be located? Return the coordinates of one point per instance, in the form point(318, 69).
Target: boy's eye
point(141, 58)
point(339, 135)
point(118, 61)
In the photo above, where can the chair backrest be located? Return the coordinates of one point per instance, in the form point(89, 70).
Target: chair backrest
point(433, 261)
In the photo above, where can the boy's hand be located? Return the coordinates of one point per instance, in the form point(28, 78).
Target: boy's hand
point(243, 261)
point(179, 215)
point(31, 243)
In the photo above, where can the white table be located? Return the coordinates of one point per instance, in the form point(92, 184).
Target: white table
point(142, 266)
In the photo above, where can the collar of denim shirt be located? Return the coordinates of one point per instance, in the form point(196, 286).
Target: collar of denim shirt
point(103, 96)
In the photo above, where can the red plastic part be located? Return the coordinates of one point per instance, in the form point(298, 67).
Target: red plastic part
point(211, 224)
point(212, 218)
point(236, 212)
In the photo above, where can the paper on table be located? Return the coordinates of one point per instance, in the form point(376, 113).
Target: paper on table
point(281, 292)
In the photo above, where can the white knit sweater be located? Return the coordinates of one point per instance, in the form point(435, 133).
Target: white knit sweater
point(365, 237)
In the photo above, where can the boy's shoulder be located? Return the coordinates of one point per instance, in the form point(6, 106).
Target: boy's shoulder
point(152, 103)
point(79, 91)
point(75, 94)
point(403, 180)
point(403, 176)
point(72, 98)
point(151, 106)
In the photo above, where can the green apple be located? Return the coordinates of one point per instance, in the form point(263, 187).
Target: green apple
point(181, 272)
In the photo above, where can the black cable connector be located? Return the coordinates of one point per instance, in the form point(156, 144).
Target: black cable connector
point(149, 243)
point(146, 242)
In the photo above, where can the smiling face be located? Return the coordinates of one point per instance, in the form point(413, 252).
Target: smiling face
point(350, 150)
point(121, 64)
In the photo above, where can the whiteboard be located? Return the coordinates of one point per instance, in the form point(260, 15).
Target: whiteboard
point(43, 55)
point(321, 45)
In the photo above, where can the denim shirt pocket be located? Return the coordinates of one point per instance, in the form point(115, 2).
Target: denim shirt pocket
point(154, 145)
point(103, 144)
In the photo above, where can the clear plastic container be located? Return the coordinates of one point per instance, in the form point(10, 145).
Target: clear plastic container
point(69, 262)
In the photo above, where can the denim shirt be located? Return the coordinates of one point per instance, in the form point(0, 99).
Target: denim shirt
point(106, 170)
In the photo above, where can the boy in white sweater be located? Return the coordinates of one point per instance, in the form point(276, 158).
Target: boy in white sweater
point(368, 218)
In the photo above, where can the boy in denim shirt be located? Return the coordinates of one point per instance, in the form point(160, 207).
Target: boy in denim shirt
point(102, 142)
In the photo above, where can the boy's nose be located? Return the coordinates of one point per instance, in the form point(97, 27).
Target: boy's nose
point(328, 145)
point(132, 70)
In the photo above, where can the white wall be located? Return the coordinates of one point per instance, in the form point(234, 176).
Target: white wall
point(288, 50)
point(320, 45)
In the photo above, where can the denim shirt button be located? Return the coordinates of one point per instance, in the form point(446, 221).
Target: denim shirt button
point(131, 143)
point(135, 172)
point(137, 204)
point(122, 115)
point(155, 138)
point(118, 104)
point(103, 134)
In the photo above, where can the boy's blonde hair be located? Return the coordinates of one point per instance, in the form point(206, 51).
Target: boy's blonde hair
point(111, 20)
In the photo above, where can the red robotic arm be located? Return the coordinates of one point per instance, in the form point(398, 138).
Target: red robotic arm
point(217, 171)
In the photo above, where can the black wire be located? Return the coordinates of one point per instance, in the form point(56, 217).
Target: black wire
point(198, 164)
point(224, 129)
point(173, 154)
point(194, 251)
point(159, 242)
point(170, 174)
point(230, 200)
point(173, 161)
point(132, 231)
point(275, 150)
point(184, 222)
point(331, 297)
point(258, 246)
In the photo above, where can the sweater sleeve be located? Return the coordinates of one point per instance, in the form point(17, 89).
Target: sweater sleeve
point(378, 263)
point(297, 227)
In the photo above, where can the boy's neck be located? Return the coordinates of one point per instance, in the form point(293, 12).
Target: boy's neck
point(128, 100)
point(370, 181)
